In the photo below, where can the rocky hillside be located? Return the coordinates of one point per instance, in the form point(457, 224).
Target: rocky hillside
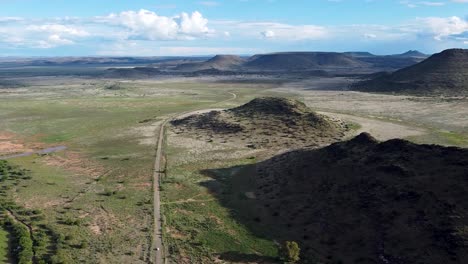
point(412, 53)
point(268, 122)
point(362, 201)
point(219, 62)
point(296, 61)
point(442, 73)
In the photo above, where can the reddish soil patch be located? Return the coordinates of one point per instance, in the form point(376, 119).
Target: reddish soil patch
point(142, 186)
point(9, 144)
point(75, 163)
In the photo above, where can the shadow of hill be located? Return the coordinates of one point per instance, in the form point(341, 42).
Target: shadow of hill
point(358, 201)
point(242, 258)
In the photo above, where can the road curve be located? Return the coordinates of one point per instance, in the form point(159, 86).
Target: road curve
point(160, 256)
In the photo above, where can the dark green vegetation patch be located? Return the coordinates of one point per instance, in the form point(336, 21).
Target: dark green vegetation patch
point(30, 239)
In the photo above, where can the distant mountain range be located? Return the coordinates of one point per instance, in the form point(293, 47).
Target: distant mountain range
point(442, 73)
point(83, 61)
point(273, 62)
point(306, 61)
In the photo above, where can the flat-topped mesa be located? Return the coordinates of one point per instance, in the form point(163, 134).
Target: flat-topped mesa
point(302, 60)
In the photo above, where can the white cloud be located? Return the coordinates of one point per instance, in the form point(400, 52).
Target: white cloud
point(281, 32)
point(10, 19)
point(193, 25)
point(441, 28)
point(268, 34)
point(414, 4)
point(146, 24)
point(59, 29)
point(53, 41)
point(370, 36)
point(143, 26)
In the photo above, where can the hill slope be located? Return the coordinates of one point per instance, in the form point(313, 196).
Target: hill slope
point(362, 201)
point(295, 61)
point(268, 122)
point(218, 62)
point(412, 53)
point(442, 73)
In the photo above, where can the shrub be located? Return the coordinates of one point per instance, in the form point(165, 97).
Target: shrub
point(291, 252)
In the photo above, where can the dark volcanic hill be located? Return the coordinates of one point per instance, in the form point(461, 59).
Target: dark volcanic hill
point(389, 62)
point(132, 73)
point(362, 201)
point(412, 53)
point(219, 62)
point(442, 73)
point(297, 61)
point(268, 122)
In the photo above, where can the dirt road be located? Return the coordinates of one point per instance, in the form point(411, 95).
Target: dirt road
point(160, 255)
point(380, 129)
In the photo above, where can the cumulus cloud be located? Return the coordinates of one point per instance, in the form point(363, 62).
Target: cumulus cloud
point(145, 24)
point(442, 28)
point(126, 28)
point(194, 24)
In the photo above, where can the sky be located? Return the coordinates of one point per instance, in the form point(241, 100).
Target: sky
point(245, 27)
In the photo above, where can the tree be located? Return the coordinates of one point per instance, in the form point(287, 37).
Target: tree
point(291, 252)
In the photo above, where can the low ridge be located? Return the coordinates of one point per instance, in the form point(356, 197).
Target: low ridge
point(292, 61)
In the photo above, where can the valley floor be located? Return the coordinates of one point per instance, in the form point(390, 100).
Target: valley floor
point(103, 178)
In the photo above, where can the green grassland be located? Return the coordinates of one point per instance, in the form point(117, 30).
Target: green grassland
point(4, 246)
point(92, 202)
point(97, 192)
point(198, 226)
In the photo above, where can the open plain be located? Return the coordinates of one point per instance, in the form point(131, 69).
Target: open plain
point(94, 187)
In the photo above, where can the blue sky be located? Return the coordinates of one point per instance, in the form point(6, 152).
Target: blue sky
point(183, 27)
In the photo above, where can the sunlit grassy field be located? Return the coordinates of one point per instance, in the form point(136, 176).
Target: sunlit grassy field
point(103, 178)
